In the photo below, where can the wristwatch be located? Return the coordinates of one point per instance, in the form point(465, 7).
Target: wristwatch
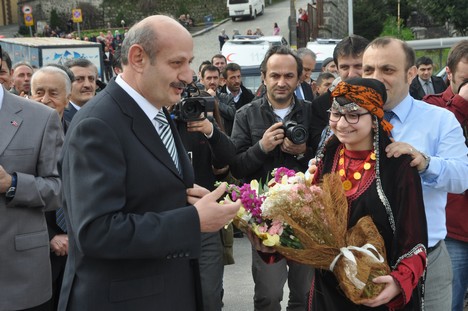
point(300, 156)
point(427, 159)
point(10, 194)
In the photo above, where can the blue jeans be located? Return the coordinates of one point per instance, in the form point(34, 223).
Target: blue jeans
point(458, 252)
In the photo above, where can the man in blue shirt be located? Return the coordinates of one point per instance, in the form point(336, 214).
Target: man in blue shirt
point(434, 139)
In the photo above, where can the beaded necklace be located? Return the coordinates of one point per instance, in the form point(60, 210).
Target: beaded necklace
point(350, 181)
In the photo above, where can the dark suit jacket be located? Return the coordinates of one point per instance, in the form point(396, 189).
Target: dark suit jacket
point(417, 90)
point(133, 238)
point(69, 113)
point(228, 108)
point(307, 90)
point(320, 105)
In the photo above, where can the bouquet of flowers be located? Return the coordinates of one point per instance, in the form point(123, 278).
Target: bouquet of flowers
point(308, 224)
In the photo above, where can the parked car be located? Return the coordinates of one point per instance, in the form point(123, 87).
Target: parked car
point(245, 8)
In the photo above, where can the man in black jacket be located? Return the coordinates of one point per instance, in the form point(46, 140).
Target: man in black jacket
point(424, 83)
point(238, 95)
point(263, 144)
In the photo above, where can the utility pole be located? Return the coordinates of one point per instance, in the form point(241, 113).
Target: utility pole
point(398, 18)
point(292, 26)
point(350, 18)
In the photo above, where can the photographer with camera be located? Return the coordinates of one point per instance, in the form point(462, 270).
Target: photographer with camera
point(198, 122)
point(272, 132)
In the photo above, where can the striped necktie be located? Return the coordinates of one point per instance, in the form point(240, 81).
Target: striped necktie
point(60, 219)
point(167, 138)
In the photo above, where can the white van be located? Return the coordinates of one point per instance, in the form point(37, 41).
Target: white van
point(323, 48)
point(245, 8)
point(245, 52)
point(249, 54)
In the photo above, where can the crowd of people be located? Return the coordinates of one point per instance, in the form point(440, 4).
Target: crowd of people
point(108, 198)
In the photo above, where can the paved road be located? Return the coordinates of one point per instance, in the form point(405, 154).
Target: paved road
point(207, 44)
point(238, 282)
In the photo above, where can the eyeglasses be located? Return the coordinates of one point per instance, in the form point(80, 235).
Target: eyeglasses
point(351, 118)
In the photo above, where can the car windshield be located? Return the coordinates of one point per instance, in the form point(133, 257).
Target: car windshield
point(238, 1)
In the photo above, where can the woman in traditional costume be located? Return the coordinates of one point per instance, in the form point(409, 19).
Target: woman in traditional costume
point(386, 189)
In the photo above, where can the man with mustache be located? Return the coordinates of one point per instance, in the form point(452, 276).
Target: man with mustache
point(134, 215)
point(22, 73)
point(83, 87)
point(239, 95)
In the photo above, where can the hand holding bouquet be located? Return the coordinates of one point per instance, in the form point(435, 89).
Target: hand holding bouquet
point(308, 224)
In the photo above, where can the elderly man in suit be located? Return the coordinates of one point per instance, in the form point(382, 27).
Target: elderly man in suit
point(134, 217)
point(30, 142)
point(425, 83)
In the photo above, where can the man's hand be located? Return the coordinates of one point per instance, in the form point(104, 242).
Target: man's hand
point(257, 243)
point(390, 291)
point(213, 216)
point(272, 137)
point(204, 126)
point(289, 147)
point(396, 149)
point(211, 92)
point(59, 244)
point(464, 92)
point(5, 180)
point(196, 193)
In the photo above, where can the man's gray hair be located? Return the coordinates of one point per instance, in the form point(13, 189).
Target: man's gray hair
point(305, 51)
point(143, 34)
point(22, 64)
point(52, 69)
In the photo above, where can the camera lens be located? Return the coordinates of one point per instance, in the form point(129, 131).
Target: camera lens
point(297, 134)
point(192, 110)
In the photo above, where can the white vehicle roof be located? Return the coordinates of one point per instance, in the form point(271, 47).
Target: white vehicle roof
point(323, 48)
point(245, 52)
point(275, 40)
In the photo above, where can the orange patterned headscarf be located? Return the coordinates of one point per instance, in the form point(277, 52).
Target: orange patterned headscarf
point(365, 97)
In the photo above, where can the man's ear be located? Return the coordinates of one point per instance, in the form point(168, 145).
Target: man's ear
point(412, 72)
point(137, 57)
point(449, 73)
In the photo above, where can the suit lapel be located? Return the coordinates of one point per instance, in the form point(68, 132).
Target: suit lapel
point(144, 130)
point(10, 121)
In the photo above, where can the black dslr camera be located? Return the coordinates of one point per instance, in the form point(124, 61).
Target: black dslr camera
point(193, 108)
point(297, 133)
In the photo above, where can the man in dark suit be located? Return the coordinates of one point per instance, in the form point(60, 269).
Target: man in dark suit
point(30, 143)
point(238, 95)
point(424, 83)
point(83, 86)
point(51, 86)
point(134, 217)
point(304, 89)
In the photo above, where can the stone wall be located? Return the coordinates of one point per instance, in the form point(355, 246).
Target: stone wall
point(335, 17)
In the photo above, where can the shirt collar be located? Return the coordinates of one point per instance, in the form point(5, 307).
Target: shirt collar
point(424, 81)
point(403, 109)
point(150, 110)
